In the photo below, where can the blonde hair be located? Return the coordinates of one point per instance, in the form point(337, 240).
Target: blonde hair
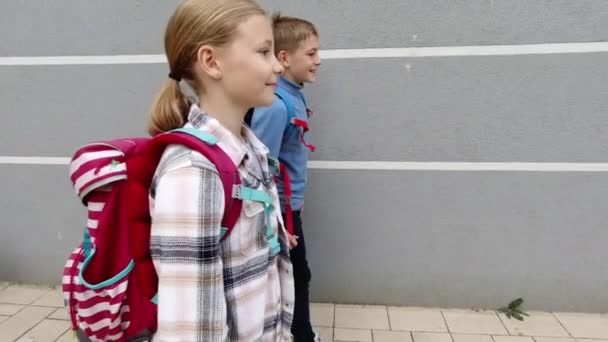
point(193, 24)
point(289, 32)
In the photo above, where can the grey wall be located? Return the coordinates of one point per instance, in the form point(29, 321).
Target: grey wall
point(442, 238)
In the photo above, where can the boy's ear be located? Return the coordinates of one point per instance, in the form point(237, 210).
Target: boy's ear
point(283, 58)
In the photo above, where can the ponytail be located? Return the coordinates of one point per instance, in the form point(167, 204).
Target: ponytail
point(169, 110)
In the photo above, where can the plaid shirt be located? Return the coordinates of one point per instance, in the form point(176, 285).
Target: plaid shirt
point(212, 290)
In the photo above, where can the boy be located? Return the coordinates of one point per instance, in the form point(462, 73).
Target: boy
point(282, 128)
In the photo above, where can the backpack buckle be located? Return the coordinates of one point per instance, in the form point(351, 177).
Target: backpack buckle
point(274, 163)
point(237, 192)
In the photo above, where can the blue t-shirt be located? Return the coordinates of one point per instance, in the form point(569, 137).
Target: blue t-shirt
point(270, 126)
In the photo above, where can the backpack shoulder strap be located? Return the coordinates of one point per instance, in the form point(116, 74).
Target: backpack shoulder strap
point(283, 96)
point(206, 145)
point(303, 99)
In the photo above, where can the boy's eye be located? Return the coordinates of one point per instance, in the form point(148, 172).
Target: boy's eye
point(264, 51)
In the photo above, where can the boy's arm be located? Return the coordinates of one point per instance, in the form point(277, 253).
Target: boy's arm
point(268, 124)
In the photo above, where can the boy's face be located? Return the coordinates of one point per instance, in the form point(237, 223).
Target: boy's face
point(302, 64)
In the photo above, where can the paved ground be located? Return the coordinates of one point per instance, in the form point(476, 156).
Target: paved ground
point(29, 313)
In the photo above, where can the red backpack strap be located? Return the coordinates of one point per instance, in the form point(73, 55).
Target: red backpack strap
point(287, 193)
point(206, 145)
point(305, 129)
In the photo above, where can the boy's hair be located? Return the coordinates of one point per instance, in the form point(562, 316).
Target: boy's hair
point(289, 32)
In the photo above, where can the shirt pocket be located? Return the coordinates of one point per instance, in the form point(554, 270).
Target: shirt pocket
point(250, 233)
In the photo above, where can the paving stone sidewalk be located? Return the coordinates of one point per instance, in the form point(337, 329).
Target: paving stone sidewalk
point(36, 314)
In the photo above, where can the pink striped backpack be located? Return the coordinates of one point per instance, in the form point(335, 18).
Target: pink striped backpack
point(109, 281)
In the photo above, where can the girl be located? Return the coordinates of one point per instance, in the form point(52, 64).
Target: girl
point(220, 55)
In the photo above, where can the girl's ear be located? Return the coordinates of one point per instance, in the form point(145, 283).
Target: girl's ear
point(207, 61)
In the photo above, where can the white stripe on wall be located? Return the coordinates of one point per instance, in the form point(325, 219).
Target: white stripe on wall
point(478, 50)
point(82, 60)
point(385, 165)
point(413, 52)
point(16, 160)
point(458, 166)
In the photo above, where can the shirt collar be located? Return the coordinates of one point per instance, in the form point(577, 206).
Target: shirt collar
point(228, 142)
point(289, 86)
